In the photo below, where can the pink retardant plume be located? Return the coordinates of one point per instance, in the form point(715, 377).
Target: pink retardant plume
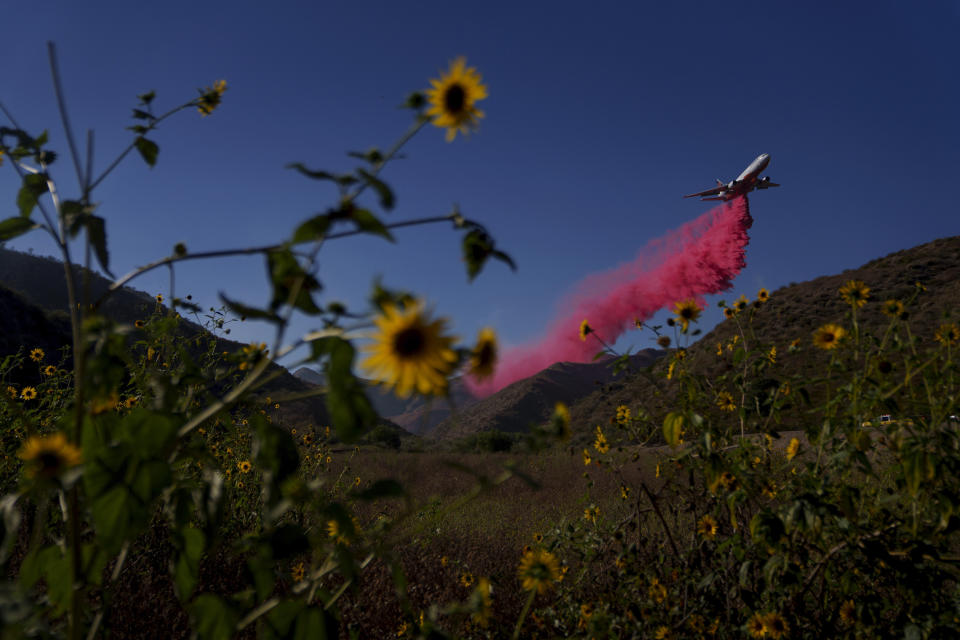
point(701, 257)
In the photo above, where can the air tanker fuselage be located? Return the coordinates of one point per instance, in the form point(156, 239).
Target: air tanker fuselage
point(747, 181)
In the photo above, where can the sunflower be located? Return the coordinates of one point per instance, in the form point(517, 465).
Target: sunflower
point(774, 625)
point(763, 295)
point(453, 97)
point(848, 613)
point(725, 401)
point(466, 579)
point(686, 311)
point(139, 324)
point(591, 513)
point(662, 633)
point(663, 341)
point(947, 334)
point(828, 336)
point(600, 443)
point(728, 312)
point(37, 355)
point(893, 308)
point(561, 421)
point(481, 601)
point(657, 591)
point(755, 625)
point(707, 527)
point(244, 466)
point(210, 97)
point(793, 448)
point(855, 293)
point(741, 303)
point(159, 298)
point(586, 457)
point(585, 329)
point(772, 355)
point(410, 352)
point(12, 392)
point(728, 480)
point(298, 572)
point(337, 533)
point(49, 370)
point(484, 356)
point(28, 393)
point(49, 456)
point(538, 570)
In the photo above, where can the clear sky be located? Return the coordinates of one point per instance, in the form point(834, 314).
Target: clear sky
point(599, 117)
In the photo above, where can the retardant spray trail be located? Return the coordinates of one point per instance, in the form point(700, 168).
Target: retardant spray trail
point(701, 257)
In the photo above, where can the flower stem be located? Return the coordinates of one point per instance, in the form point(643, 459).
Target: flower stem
point(523, 614)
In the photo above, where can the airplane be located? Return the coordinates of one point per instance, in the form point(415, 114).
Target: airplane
point(745, 182)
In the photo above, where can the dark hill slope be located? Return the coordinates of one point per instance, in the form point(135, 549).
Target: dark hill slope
point(24, 327)
point(532, 400)
point(795, 312)
point(33, 299)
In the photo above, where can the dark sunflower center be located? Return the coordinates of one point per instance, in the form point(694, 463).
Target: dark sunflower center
point(486, 354)
point(50, 462)
point(829, 337)
point(454, 99)
point(687, 313)
point(409, 342)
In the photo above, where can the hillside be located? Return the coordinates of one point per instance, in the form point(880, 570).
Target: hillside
point(794, 312)
point(33, 297)
point(532, 400)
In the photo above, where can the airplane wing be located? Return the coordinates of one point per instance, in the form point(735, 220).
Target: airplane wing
point(708, 192)
point(767, 185)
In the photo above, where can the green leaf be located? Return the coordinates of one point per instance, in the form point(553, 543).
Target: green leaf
point(286, 274)
point(110, 516)
point(276, 453)
point(313, 229)
point(478, 247)
point(260, 568)
point(148, 150)
point(350, 410)
point(280, 620)
point(316, 175)
point(34, 186)
point(373, 156)
point(51, 564)
point(215, 618)
point(250, 312)
point(148, 433)
point(672, 428)
point(147, 98)
point(97, 234)
point(94, 562)
point(142, 115)
point(186, 571)
point(387, 199)
point(14, 227)
point(368, 222)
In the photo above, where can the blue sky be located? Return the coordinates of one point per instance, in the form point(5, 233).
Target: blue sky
point(599, 118)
